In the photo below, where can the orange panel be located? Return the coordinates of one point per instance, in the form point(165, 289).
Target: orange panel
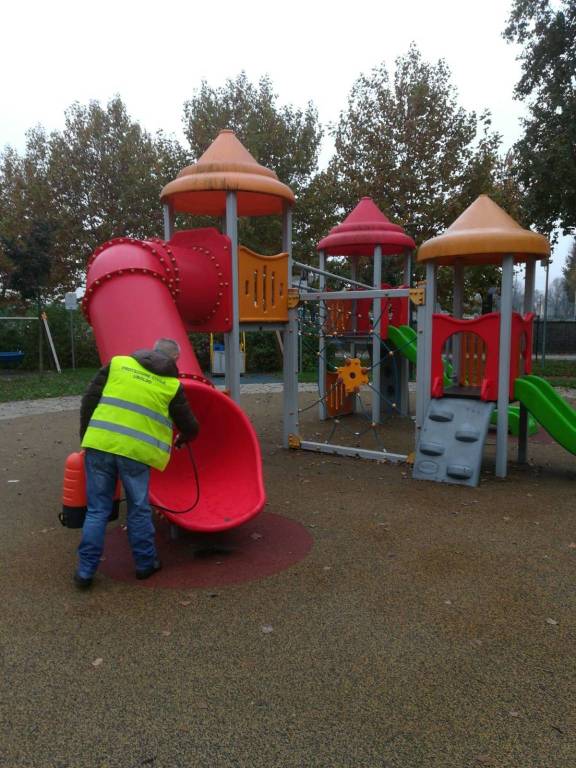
point(472, 361)
point(338, 317)
point(338, 403)
point(262, 286)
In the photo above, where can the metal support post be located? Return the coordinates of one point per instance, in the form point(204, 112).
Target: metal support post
point(408, 268)
point(369, 293)
point(322, 347)
point(316, 271)
point(376, 342)
point(72, 343)
point(290, 356)
point(168, 215)
point(523, 435)
point(354, 322)
point(44, 319)
point(457, 311)
point(357, 453)
point(529, 284)
point(424, 349)
point(546, 263)
point(404, 398)
point(420, 366)
point(504, 364)
point(232, 339)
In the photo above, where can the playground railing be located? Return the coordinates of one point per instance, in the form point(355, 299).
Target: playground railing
point(480, 350)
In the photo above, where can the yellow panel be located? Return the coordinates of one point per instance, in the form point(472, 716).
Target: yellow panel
point(352, 375)
point(262, 286)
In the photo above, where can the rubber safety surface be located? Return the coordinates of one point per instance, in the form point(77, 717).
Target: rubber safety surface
point(266, 545)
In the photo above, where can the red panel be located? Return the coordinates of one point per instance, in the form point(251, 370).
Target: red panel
point(487, 327)
point(205, 271)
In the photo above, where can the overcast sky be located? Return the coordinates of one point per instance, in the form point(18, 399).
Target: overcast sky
point(154, 55)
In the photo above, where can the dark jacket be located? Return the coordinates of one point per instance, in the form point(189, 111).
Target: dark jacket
point(157, 363)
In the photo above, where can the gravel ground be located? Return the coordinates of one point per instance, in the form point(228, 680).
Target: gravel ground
point(430, 626)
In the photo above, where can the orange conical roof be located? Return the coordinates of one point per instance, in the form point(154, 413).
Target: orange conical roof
point(483, 234)
point(227, 166)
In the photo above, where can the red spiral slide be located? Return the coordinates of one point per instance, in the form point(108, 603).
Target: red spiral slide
point(140, 291)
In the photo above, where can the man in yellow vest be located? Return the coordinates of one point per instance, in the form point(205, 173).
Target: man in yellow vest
point(126, 421)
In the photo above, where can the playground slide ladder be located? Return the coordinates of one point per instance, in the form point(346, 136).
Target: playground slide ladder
point(452, 441)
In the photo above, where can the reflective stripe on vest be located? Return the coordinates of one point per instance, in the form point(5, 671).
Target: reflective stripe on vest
point(137, 409)
point(132, 417)
point(131, 433)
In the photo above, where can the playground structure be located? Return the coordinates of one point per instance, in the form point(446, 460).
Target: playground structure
point(138, 291)
point(14, 358)
point(359, 318)
point(457, 360)
point(488, 355)
point(203, 280)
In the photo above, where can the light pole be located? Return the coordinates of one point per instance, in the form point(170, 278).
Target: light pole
point(545, 263)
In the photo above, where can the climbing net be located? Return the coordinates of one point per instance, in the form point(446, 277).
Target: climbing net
point(324, 332)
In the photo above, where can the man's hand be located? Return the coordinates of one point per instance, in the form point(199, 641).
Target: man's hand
point(179, 441)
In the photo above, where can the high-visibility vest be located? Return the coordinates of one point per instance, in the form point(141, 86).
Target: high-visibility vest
point(132, 417)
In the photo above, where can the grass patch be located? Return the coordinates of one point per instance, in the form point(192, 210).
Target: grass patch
point(561, 381)
point(24, 385)
point(308, 377)
point(560, 373)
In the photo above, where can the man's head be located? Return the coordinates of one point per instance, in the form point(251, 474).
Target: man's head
point(168, 347)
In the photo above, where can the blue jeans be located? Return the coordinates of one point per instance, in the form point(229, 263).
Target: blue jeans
point(102, 470)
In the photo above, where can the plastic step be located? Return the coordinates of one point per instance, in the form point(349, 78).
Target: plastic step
point(467, 434)
point(431, 449)
point(459, 471)
point(441, 414)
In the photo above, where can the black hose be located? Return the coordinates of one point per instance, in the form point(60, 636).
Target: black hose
point(196, 500)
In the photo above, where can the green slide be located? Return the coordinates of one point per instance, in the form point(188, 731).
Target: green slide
point(514, 420)
point(554, 413)
point(404, 339)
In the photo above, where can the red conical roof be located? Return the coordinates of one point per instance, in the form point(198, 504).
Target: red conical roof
point(363, 229)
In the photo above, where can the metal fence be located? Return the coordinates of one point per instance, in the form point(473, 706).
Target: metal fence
point(559, 336)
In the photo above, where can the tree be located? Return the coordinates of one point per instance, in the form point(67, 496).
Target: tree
point(106, 174)
point(547, 151)
point(31, 261)
point(408, 144)
point(99, 178)
point(283, 138)
point(569, 270)
point(560, 304)
point(26, 205)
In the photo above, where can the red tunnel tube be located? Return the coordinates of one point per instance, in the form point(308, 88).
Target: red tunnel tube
point(130, 302)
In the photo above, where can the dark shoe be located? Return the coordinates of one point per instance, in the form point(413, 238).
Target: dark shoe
point(149, 571)
point(81, 582)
